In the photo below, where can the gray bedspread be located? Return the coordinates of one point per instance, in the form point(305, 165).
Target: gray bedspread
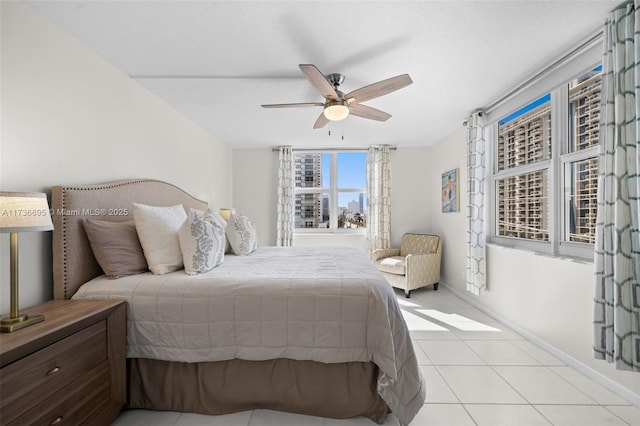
point(326, 304)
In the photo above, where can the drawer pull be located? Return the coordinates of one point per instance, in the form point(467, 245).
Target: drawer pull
point(57, 421)
point(53, 371)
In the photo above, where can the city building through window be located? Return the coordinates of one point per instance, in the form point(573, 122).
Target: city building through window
point(330, 191)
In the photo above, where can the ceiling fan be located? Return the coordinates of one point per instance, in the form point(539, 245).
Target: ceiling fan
point(337, 106)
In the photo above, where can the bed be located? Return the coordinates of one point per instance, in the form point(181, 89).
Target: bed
point(314, 331)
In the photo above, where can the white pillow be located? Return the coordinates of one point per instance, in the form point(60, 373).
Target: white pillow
point(158, 233)
point(241, 233)
point(202, 241)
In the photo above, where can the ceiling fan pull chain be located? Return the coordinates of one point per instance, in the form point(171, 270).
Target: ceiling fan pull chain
point(342, 128)
point(329, 128)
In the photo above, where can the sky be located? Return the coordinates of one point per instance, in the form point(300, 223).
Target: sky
point(536, 103)
point(546, 98)
point(351, 174)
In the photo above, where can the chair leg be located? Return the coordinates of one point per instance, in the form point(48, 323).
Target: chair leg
point(407, 294)
point(435, 286)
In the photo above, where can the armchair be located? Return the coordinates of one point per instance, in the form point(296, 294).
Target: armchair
point(415, 264)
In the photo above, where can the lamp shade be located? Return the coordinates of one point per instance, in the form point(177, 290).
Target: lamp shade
point(24, 212)
point(225, 212)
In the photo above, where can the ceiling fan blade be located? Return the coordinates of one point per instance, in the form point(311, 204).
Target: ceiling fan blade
point(319, 81)
point(295, 105)
point(378, 89)
point(368, 112)
point(321, 121)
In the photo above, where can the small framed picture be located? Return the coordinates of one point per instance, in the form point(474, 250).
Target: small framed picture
point(450, 191)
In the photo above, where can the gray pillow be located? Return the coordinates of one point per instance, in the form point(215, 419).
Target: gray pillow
point(116, 247)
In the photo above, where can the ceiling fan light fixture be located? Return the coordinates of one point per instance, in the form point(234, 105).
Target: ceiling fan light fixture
point(336, 111)
point(338, 106)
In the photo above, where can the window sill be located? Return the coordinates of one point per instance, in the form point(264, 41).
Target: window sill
point(356, 232)
point(564, 257)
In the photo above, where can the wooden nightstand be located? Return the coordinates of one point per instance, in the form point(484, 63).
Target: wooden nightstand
point(69, 369)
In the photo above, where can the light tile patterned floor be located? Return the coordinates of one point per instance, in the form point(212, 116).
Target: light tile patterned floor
point(478, 372)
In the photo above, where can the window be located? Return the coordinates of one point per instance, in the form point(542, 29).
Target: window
point(524, 148)
point(545, 170)
point(581, 162)
point(330, 191)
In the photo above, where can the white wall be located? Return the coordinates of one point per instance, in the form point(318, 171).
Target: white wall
point(70, 117)
point(548, 297)
point(450, 154)
point(255, 179)
point(412, 192)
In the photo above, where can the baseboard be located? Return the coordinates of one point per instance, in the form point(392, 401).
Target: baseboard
point(595, 375)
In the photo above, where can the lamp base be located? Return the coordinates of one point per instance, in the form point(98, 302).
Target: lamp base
point(9, 325)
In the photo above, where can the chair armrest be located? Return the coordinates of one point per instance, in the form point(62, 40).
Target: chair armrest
point(419, 259)
point(382, 253)
point(423, 265)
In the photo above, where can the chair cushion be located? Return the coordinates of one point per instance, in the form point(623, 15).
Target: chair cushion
point(392, 265)
point(419, 244)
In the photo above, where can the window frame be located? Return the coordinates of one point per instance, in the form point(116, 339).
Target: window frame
point(558, 180)
point(333, 190)
point(566, 247)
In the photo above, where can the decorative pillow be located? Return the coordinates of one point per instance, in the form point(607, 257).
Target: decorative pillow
point(116, 247)
point(241, 233)
point(202, 241)
point(158, 232)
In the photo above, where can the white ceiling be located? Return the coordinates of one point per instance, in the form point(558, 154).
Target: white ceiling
point(218, 61)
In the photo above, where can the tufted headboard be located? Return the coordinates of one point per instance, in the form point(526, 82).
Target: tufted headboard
point(73, 260)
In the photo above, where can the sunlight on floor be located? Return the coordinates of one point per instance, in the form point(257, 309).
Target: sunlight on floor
point(403, 302)
point(418, 322)
point(457, 321)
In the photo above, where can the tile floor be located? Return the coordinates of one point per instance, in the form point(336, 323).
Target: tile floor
point(477, 372)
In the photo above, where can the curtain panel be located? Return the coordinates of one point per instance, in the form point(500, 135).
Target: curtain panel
point(617, 243)
point(379, 198)
point(285, 205)
point(476, 183)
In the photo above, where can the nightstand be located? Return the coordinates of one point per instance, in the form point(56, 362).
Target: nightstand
point(69, 369)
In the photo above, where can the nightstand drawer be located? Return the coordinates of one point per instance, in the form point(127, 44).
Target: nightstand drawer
point(74, 404)
point(69, 369)
point(32, 379)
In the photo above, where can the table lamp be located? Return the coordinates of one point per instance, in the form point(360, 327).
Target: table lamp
point(225, 212)
point(21, 212)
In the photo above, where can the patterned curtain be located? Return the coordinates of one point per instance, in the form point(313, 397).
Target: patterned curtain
point(617, 246)
point(476, 181)
point(285, 219)
point(379, 197)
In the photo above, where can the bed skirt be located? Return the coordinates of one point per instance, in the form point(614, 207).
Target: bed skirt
point(342, 390)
